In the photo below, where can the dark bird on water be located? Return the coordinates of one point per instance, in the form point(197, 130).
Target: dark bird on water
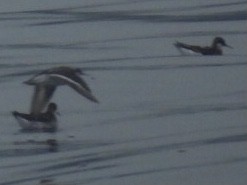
point(214, 49)
point(46, 121)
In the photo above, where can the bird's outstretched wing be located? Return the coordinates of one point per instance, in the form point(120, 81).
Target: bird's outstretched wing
point(42, 95)
point(77, 83)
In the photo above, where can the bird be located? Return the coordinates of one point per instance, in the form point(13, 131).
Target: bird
point(45, 121)
point(46, 82)
point(214, 49)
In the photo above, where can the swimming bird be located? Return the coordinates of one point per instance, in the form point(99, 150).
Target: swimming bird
point(45, 84)
point(46, 121)
point(214, 49)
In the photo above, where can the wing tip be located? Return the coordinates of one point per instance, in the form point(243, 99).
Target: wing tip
point(178, 44)
point(14, 113)
point(94, 99)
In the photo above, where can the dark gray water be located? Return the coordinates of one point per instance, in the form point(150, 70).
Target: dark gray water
point(163, 118)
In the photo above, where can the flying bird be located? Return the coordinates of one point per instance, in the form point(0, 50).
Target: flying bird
point(46, 82)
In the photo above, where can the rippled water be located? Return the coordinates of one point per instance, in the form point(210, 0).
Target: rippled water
point(163, 118)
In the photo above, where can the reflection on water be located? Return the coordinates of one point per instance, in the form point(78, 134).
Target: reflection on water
point(161, 116)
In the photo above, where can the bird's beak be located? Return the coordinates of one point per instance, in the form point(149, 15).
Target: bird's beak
point(28, 82)
point(229, 46)
point(85, 74)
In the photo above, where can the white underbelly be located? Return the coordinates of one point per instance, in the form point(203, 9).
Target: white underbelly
point(35, 125)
